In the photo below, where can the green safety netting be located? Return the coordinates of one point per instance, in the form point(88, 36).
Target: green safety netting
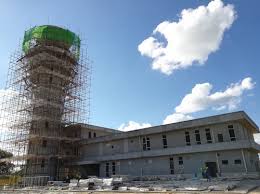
point(50, 33)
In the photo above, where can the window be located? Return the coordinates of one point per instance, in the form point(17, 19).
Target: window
point(113, 168)
point(42, 163)
point(197, 136)
point(180, 161)
point(237, 161)
point(187, 136)
point(46, 124)
point(89, 134)
point(208, 136)
point(220, 137)
point(94, 135)
point(50, 79)
point(231, 133)
point(164, 139)
point(225, 162)
point(171, 166)
point(76, 151)
point(44, 143)
point(107, 169)
point(146, 143)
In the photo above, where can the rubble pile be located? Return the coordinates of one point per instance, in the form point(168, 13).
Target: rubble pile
point(143, 184)
point(153, 183)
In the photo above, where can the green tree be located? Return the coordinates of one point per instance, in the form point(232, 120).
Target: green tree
point(6, 167)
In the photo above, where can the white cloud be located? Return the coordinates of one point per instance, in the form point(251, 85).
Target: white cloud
point(9, 115)
point(6, 107)
point(257, 137)
point(132, 125)
point(201, 97)
point(176, 117)
point(190, 40)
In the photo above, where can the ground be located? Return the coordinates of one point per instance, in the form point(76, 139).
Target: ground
point(170, 187)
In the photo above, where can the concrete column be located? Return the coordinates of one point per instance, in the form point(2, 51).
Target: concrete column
point(125, 142)
point(217, 160)
point(119, 169)
point(100, 149)
point(244, 160)
point(212, 135)
point(140, 143)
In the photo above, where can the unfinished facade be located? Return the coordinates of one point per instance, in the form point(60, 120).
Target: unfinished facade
point(224, 143)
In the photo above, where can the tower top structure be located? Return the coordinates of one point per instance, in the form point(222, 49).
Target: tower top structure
point(50, 33)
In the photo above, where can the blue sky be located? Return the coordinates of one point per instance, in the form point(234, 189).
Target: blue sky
point(125, 87)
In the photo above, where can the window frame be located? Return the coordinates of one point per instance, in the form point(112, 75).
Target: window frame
point(187, 138)
point(43, 163)
point(107, 169)
point(164, 140)
point(237, 161)
point(113, 168)
point(232, 134)
point(224, 162)
point(146, 143)
point(208, 135)
point(171, 160)
point(197, 137)
point(180, 160)
point(222, 137)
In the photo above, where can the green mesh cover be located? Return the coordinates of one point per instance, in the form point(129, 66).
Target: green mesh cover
point(50, 33)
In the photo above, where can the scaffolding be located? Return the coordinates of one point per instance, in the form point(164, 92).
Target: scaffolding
point(46, 95)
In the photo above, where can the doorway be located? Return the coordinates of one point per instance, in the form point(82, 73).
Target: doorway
point(89, 170)
point(212, 166)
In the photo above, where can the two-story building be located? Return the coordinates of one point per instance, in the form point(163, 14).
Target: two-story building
point(224, 143)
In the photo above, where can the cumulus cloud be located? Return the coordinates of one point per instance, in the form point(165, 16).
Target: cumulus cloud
point(176, 117)
point(191, 39)
point(132, 125)
point(257, 137)
point(5, 96)
point(8, 112)
point(201, 98)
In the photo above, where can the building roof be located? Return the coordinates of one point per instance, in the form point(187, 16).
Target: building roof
point(200, 122)
point(98, 128)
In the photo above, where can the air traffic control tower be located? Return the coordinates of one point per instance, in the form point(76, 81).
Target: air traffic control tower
point(49, 80)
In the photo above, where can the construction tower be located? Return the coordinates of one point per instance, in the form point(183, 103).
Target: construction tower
point(46, 94)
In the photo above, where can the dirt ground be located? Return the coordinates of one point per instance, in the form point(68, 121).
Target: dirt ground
point(243, 187)
point(255, 191)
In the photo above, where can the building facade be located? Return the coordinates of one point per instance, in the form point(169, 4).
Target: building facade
point(224, 143)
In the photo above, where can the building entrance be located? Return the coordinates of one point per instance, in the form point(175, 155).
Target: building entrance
point(212, 167)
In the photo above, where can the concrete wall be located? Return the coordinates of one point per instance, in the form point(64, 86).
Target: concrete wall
point(85, 133)
point(131, 159)
point(174, 139)
point(191, 164)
